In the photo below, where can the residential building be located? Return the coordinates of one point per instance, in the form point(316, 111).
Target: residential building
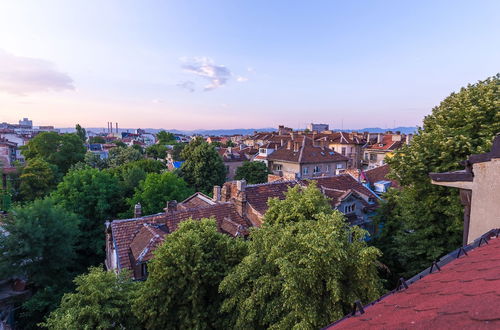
point(235, 206)
point(232, 159)
point(301, 158)
point(349, 145)
point(317, 127)
point(381, 147)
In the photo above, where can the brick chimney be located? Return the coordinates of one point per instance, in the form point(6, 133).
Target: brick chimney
point(379, 137)
point(216, 197)
point(137, 210)
point(296, 146)
point(171, 207)
point(289, 145)
point(241, 197)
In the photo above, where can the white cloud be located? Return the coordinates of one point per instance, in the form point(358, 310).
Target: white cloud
point(25, 75)
point(204, 67)
point(241, 79)
point(187, 85)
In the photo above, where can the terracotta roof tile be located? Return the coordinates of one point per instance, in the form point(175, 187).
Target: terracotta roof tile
point(306, 153)
point(464, 294)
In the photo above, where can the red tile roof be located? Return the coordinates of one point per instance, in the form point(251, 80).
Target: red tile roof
point(146, 241)
point(380, 174)
point(124, 231)
point(387, 144)
point(196, 200)
point(464, 294)
point(306, 153)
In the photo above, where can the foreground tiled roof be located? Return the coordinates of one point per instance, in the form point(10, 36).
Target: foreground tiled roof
point(124, 231)
point(463, 294)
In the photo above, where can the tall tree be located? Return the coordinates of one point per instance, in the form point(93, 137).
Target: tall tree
point(101, 300)
point(299, 204)
point(157, 189)
point(97, 140)
point(252, 172)
point(156, 151)
point(122, 155)
point(40, 245)
point(164, 137)
point(60, 150)
point(430, 217)
point(80, 131)
point(181, 291)
point(38, 178)
point(97, 197)
point(301, 274)
point(203, 167)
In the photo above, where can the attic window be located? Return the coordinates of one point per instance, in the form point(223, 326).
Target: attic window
point(331, 153)
point(380, 144)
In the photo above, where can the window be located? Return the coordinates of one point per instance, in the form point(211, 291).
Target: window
point(262, 150)
point(305, 170)
point(144, 270)
point(327, 168)
point(343, 151)
point(277, 167)
point(349, 208)
point(317, 169)
point(366, 156)
point(373, 157)
point(340, 165)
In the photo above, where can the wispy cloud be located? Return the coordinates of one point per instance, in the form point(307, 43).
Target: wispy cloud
point(204, 67)
point(187, 85)
point(25, 75)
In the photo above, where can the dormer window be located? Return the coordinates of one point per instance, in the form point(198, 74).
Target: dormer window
point(349, 208)
point(381, 145)
point(262, 150)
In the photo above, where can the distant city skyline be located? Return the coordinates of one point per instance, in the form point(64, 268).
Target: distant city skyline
point(226, 64)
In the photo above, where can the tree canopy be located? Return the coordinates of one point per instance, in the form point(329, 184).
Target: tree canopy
point(60, 150)
point(154, 192)
point(38, 178)
point(40, 245)
point(122, 155)
point(165, 137)
point(203, 167)
point(181, 291)
point(427, 219)
point(101, 300)
point(299, 204)
point(81, 132)
point(252, 172)
point(301, 274)
point(97, 197)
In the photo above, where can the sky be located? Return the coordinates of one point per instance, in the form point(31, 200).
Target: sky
point(240, 64)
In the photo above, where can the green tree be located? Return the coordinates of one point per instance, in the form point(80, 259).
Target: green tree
point(252, 172)
point(203, 167)
point(94, 160)
point(101, 300)
point(430, 216)
point(80, 131)
point(138, 148)
point(299, 204)
point(301, 275)
point(120, 156)
point(120, 144)
point(59, 150)
point(97, 197)
point(154, 192)
point(156, 151)
point(97, 140)
point(164, 137)
point(40, 245)
point(177, 151)
point(38, 178)
point(181, 291)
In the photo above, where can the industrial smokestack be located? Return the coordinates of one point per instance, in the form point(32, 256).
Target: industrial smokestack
point(116, 127)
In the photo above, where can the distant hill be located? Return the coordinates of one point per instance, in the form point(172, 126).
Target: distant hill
point(235, 131)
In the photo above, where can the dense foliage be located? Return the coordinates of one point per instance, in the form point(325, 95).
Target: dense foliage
point(39, 246)
point(60, 150)
point(203, 167)
point(301, 275)
point(181, 291)
point(154, 192)
point(252, 172)
point(38, 178)
point(97, 197)
point(102, 300)
point(424, 221)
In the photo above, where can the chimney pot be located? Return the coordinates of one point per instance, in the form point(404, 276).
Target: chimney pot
point(171, 207)
point(241, 185)
point(217, 191)
point(137, 210)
